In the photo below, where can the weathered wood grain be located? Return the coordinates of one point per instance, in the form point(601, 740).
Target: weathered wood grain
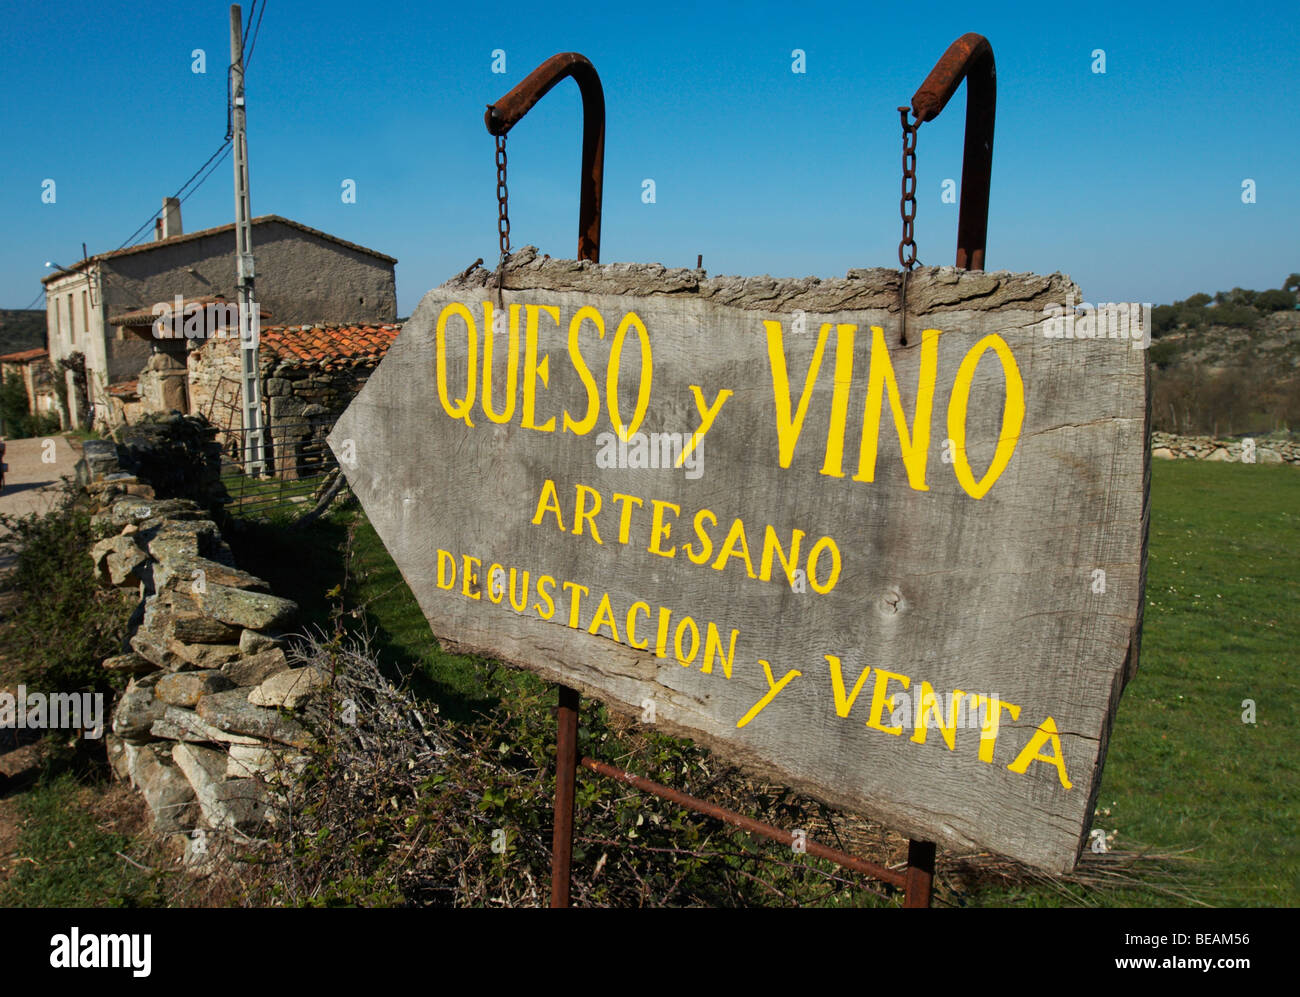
point(997, 596)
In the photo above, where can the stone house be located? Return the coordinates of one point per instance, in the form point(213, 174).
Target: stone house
point(303, 275)
point(32, 367)
point(309, 375)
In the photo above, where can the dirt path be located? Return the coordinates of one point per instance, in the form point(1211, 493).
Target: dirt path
point(31, 474)
point(32, 482)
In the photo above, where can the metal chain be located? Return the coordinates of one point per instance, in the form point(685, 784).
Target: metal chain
point(907, 203)
point(503, 211)
point(907, 209)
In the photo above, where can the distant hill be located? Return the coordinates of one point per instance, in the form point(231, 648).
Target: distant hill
point(21, 329)
point(1235, 377)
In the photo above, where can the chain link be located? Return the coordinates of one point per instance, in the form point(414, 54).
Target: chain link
point(503, 198)
point(907, 203)
point(907, 209)
point(503, 214)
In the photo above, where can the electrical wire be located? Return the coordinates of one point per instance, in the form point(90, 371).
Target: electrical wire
point(253, 44)
point(223, 148)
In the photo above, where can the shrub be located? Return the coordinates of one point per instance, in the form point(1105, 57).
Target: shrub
point(65, 625)
point(1275, 301)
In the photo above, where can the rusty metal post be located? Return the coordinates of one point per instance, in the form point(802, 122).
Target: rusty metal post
point(969, 58)
point(920, 874)
point(566, 769)
point(499, 119)
point(506, 112)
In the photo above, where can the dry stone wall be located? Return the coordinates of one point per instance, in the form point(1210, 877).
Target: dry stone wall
point(1267, 450)
point(205, 728)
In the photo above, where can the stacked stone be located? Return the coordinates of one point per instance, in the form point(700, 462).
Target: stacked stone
point(1268, 450)
point(205, 729)
point(304, 401)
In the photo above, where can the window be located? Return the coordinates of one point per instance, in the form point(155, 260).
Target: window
point(85, 311)
point(72, 321)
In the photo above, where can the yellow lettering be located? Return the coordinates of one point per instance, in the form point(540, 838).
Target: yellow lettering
point(582, 514)
point(549, 501)
point(990, 722)
point(706, 543)
point(630, 320)
point(788, 428)
point(535, 370)
point(625, 514)
point(773, 687)
point(446, 560)
point(772, 547)
point(631, 626)
point(814, 558)
point(707, 415)
point(683, 658)
point(1045, 734)
point(843, 701)
point(661, 637)
point(549, 611)
point(729, 549)
point(469, 585)
point(834, 465)
point(512, 361)
point(713, 647)
point(659, 530)
point(588, 421)
point(575, 605)
point(880, 376)
point(604, 617)
point(1013, 416)
point(879, 700)
point(522, 603)
point(929, 707)
point(460, 409)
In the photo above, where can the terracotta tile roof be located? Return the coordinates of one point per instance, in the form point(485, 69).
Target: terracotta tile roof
point(24, 356)
point(145, 247)
point(328, 345)
point(124, 389)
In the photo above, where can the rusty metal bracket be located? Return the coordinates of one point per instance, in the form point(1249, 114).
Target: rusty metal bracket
point(506, 113)
point(969, 58)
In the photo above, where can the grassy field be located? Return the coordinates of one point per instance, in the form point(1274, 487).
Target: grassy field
point(1184, 772)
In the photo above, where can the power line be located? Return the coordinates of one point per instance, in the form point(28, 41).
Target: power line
point(224, 147)
point(224, 154)
point(253, 44)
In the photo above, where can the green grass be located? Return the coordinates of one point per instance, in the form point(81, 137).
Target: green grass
point(67, 860)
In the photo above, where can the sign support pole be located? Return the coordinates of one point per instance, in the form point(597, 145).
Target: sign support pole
point(566, 770)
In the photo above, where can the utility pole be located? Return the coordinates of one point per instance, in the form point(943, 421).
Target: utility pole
point(251, 385)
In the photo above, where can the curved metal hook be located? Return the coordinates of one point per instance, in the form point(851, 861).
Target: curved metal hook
point(506, 113)
point(969, 58)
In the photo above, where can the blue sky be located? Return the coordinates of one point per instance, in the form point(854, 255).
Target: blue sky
point(1130, 181)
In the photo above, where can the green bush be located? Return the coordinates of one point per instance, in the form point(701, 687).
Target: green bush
point(66, 625)
point(1275, 301)
point(1239, 316)
point(17, 422)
